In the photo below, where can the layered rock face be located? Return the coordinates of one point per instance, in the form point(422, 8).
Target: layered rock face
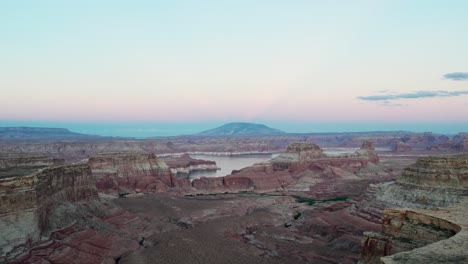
point(80, 148)
point(28, 201)
point(19, 164)
point(130, 172)
point(185, 164)
point(438, 172)
point(431, 182)
point(419, 236)
point(301, 166)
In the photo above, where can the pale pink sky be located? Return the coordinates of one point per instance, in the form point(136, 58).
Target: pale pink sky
point(306, 61)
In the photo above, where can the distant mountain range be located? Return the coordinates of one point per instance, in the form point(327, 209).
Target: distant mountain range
point(238, 129)
point(41, 133)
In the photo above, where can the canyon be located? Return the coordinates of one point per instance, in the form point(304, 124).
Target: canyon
point(109, 201)
point(421, 208)
point(75, 149)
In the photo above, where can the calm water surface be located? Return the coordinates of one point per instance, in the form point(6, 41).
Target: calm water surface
point(237, 162)
point(229, 163)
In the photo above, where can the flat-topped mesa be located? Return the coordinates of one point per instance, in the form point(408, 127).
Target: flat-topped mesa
point(130, 172)
point(186, 164)
point(28, 201)
point(303, 156)
point(450, 171)
point(20, 164)
point(303, 151)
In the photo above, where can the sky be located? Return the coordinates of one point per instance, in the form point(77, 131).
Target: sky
point(147, 68)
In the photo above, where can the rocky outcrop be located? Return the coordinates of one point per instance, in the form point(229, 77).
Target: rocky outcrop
point(422, 236)
point(78, 149)
point(302, 156)
point(186, 164)
point(432, 182)
point(291, 169)
point(19, 164)
point(438, 181)
point(27, 202)
point(438, 172)
point(130, 172)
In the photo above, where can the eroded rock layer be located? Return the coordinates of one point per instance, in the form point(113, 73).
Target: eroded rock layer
point(432, 182)
point(27, 202)
point(130, 172)
point(438, 172)
point(302, 167)
point(20, 163)
point(186, 164)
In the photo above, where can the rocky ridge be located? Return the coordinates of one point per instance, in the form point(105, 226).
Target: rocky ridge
point(432, 183)
point(20, 163)
point(127, 172)
point(185, 164)
point(28, 201)
point(302, 164)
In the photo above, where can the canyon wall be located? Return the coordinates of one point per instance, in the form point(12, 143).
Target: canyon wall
point(27, 201)
point(185, 164)
point(19, 163)
point(129, 172)
point(432, 183)
point(301, 166)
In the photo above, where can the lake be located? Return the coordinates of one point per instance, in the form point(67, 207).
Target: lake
point(237, 162)
point(229, 163)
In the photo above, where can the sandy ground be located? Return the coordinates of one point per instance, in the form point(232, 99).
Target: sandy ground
point(226, 229)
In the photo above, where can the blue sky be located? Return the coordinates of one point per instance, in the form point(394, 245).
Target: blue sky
point(98, 65)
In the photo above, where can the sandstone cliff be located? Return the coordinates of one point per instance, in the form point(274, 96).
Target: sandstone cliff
point(300, 167)
point(20, 163)
point(28, 201)
point(186, 164)
point(419, 236)
point(74, 150)
point(432, 182)
point(130, 172)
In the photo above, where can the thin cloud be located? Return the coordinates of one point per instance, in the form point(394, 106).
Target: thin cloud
point(456, 76)
point(390, 103)
point(415, 95)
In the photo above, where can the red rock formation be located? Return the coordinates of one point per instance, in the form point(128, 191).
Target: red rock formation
point(430, 182)
point(74, 150)
point(185, 164)
point(130, 172)
point(14, 164)
point(404, 230)
point(28, 201)
point(438, 172)
point(75, 244)
point(286, 169)
point(209, 184)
